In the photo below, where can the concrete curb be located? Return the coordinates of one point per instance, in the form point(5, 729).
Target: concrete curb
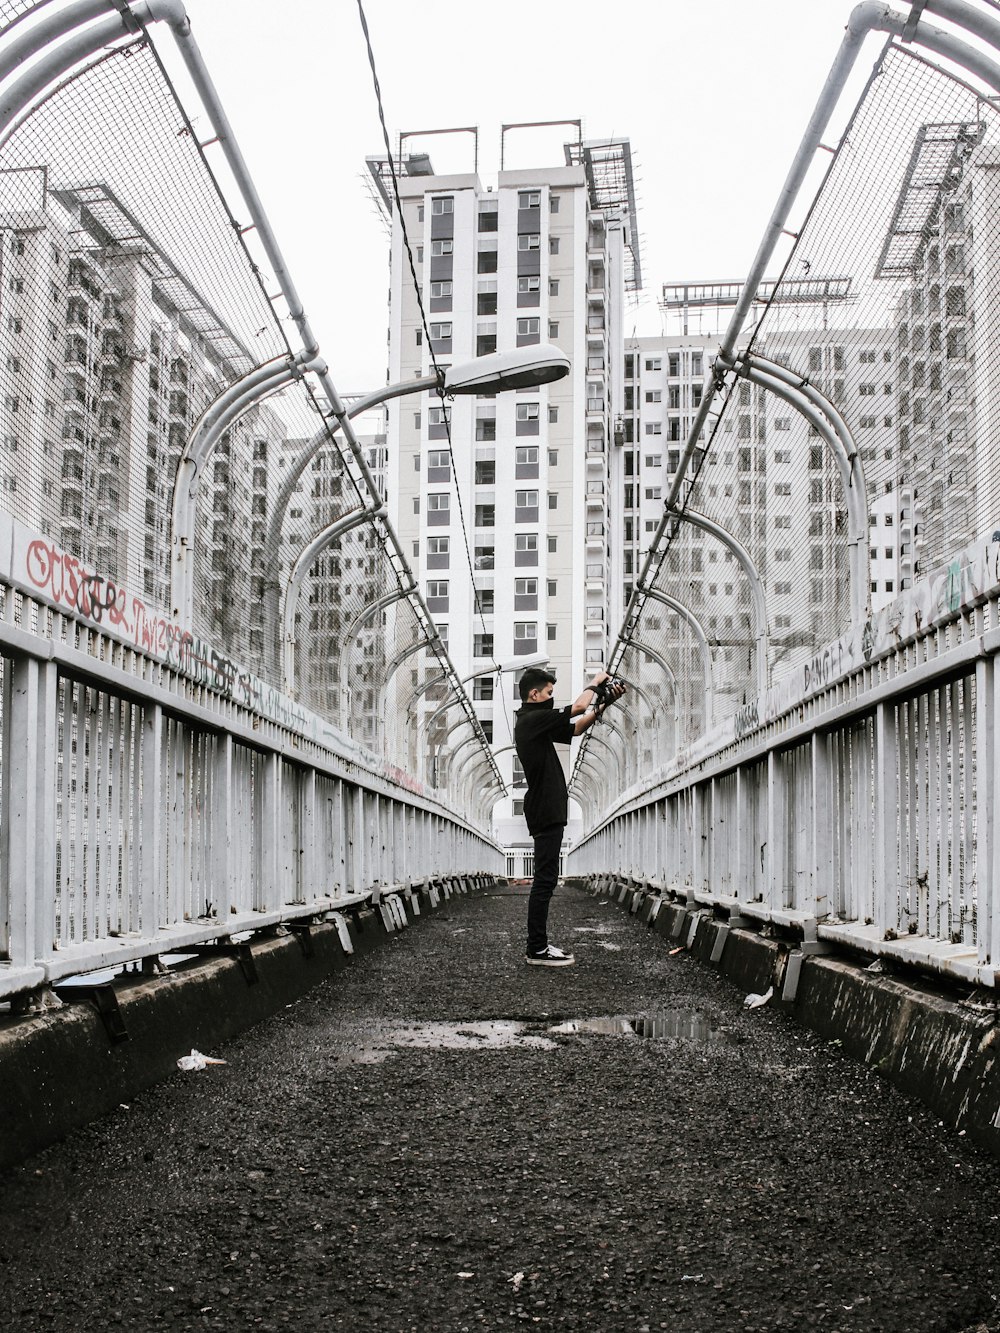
point(936, 1048)
point(61, 1068)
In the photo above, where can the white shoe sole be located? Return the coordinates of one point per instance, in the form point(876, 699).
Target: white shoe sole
point(550, 962)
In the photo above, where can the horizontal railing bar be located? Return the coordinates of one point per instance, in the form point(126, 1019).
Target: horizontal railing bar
point(286, 743)
point(953, 664)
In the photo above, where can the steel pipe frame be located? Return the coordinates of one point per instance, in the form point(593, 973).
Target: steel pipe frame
point(338, 411)
point(466, 768)
point(587, 780)
point(629, 756)
point(867, 17)
point(703, 645)
point(598, 776)
point(326, 435)
point(617, 758)
point(633, 688)
point(756, 587)
point(832, 427)
point(230, 405)
point(668, 671)
point(171, 12)
point(302, 564)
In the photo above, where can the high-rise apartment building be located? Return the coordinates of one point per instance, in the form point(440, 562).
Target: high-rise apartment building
point(108, 355)
point(773, 483)
point(505, 501)
point(942, 244)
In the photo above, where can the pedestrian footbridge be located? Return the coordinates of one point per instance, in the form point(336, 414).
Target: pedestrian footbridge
point(235, 748)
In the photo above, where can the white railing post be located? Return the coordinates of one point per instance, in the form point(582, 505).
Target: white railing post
point(886, 862)
point(28, 823)
point(988, 821)
point(153, 908)
point(821, 796)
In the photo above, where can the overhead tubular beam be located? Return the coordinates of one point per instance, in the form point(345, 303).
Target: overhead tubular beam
point(754, 579)
point(868, 17)
point(57, 57)
point(703, 645)
point(299, 570)
point(372, 609)
point(832, 428)
point(326, 435)
point(212, 425)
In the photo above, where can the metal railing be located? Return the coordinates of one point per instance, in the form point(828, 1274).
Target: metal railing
point(184, 757)
point(845, 439)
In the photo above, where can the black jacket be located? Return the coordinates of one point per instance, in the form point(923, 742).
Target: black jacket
point(537, 731)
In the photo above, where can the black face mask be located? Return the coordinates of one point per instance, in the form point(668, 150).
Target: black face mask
point(544, 703)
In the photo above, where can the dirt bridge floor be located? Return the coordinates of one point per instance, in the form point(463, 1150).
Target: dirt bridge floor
point(429, 1141)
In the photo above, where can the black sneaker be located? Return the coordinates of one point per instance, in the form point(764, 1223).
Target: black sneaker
point(550, 956)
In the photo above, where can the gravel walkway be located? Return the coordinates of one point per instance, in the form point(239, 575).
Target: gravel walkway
point(412, 1146)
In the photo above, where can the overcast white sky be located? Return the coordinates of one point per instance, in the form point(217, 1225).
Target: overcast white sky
point(714, 97)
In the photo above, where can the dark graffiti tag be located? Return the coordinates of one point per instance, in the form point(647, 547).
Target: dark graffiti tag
point(69, 583)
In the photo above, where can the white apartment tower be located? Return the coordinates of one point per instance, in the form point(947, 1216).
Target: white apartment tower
point(107, 356)
point(544, 255)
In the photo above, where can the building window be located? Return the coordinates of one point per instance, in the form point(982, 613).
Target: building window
point(528, 284)
point(553, 329)
point(553, 245)
point(441, 289)
point(445, 246)
point(486, 472)
point(553, 286)
point(438, 503)
point(437, 590)
point(526, 499)
point(656, 396)
point(482, 645)
point(443, 204)
point(527, 328)
point(529, 199)
point(486, 261)
point(526, 411)
point(529, 240)
point(526, 456)
point(525, 587)
point(553, 500)
point(438, 545)
point(438, 416)
point(526, 541)
point(441, 332)
point(654, 363)
point(486, 516)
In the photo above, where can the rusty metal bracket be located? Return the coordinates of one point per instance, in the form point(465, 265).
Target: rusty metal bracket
point(302, 930)
point(105, 1000)
point(241, 952)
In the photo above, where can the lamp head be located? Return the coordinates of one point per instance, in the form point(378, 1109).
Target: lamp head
point(501, 372)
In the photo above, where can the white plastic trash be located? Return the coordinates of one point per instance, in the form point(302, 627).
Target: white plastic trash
point(196, 1061)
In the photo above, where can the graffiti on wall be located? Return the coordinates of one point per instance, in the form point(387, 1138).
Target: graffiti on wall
point(43, 570)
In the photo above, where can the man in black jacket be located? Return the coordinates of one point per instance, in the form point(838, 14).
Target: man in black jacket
point(537, 731)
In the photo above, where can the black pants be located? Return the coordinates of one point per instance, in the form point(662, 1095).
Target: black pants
point(547, 845)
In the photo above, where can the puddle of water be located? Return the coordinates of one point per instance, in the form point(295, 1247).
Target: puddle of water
point(486, 1036)
point(692, 1026)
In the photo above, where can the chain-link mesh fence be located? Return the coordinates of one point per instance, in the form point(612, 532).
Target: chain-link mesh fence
point(887, 314)
point(131, 297)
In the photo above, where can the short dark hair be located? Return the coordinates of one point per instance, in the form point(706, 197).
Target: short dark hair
point(533, 679)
